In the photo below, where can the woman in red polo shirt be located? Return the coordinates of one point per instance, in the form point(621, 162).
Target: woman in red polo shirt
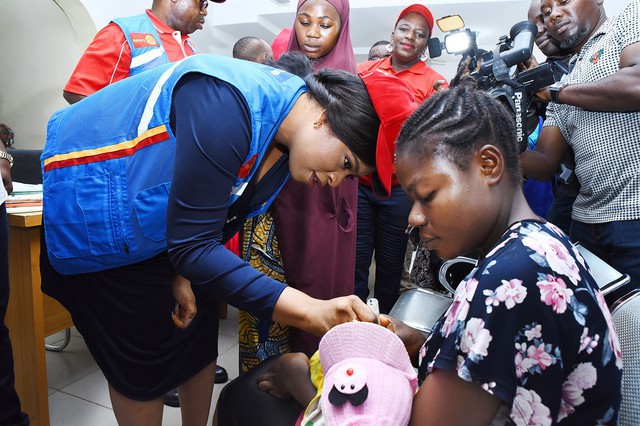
point(382, 215)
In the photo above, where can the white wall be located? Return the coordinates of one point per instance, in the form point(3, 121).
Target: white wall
point(103, 11)
point(39, 49)
point(41, 41)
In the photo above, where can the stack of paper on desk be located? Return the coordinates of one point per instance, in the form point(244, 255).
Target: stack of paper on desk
point(25, 198)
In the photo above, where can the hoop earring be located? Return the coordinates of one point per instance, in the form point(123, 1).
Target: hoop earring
point(389, 48)
point(424, 56)
point(317, 124)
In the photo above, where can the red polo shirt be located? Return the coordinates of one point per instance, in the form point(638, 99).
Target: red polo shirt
point(108, 57)
point(420, 77)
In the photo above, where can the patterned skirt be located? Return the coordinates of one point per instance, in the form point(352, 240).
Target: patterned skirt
point(260, 339)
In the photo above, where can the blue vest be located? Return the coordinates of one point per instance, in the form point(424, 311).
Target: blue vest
point(150, 53)
point(108, 160)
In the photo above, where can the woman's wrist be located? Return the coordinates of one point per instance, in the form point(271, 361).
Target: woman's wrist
point(316, 316)
point(293, 307)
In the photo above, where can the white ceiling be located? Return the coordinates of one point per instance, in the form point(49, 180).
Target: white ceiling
point(371, 20)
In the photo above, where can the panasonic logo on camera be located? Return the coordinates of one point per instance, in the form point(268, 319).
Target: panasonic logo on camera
point(518, 108)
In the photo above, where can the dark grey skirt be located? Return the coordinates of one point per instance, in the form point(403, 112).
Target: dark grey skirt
point(124, 316)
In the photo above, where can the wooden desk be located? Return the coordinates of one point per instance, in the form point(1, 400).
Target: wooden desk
point(31, 315)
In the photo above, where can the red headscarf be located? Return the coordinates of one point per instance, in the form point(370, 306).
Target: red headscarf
point(341, 57)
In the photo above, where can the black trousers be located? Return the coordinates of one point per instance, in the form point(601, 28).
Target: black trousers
point(10, 413)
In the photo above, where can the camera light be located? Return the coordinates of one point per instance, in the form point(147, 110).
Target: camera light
point(458, 41)
point(450, 23)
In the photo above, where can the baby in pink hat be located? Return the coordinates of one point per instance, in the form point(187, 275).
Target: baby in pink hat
point(361, 375)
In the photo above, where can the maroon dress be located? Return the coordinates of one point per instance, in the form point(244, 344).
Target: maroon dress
point(316, 228)
point(315, 234)
point(316, 231)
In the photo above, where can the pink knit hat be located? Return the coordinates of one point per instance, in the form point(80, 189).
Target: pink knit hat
point(369, 379)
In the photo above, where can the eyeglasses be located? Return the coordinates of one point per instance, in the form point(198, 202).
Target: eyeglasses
point(413, 232)
point(204, 4)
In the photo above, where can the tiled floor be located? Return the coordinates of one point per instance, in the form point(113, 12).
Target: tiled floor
point(78, 394)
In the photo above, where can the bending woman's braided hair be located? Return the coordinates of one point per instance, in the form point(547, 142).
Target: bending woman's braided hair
point(346, 101)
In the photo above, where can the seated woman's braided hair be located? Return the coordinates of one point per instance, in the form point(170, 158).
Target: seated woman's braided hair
point(453, 123)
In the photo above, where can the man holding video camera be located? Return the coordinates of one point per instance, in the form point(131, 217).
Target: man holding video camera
point(565, 184)
point(595, 110)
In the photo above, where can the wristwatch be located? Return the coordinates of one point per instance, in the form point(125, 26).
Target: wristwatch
point(6, 156)
point(555, 89)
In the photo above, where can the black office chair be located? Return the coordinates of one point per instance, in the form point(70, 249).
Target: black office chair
point(26, 166)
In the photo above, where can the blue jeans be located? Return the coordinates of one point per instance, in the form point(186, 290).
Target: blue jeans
point(10, 413)
point(617, 243)
point(381, 226)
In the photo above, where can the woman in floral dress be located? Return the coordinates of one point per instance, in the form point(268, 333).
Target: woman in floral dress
point(528, 339)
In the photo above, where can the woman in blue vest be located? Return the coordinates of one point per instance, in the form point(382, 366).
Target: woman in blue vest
point(148, 177)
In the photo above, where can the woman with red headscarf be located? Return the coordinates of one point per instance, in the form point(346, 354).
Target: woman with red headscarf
point(383, 211)
point(280, 244)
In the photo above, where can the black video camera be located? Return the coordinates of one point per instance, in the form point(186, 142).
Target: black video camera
point(497, 74)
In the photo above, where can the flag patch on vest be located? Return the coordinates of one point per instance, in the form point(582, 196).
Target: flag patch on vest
point(143, 40)
point(245, 169)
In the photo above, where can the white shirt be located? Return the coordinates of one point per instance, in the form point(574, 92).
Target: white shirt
point(3, 194)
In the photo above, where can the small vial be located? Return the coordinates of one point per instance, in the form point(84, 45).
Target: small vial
point(373, 304)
